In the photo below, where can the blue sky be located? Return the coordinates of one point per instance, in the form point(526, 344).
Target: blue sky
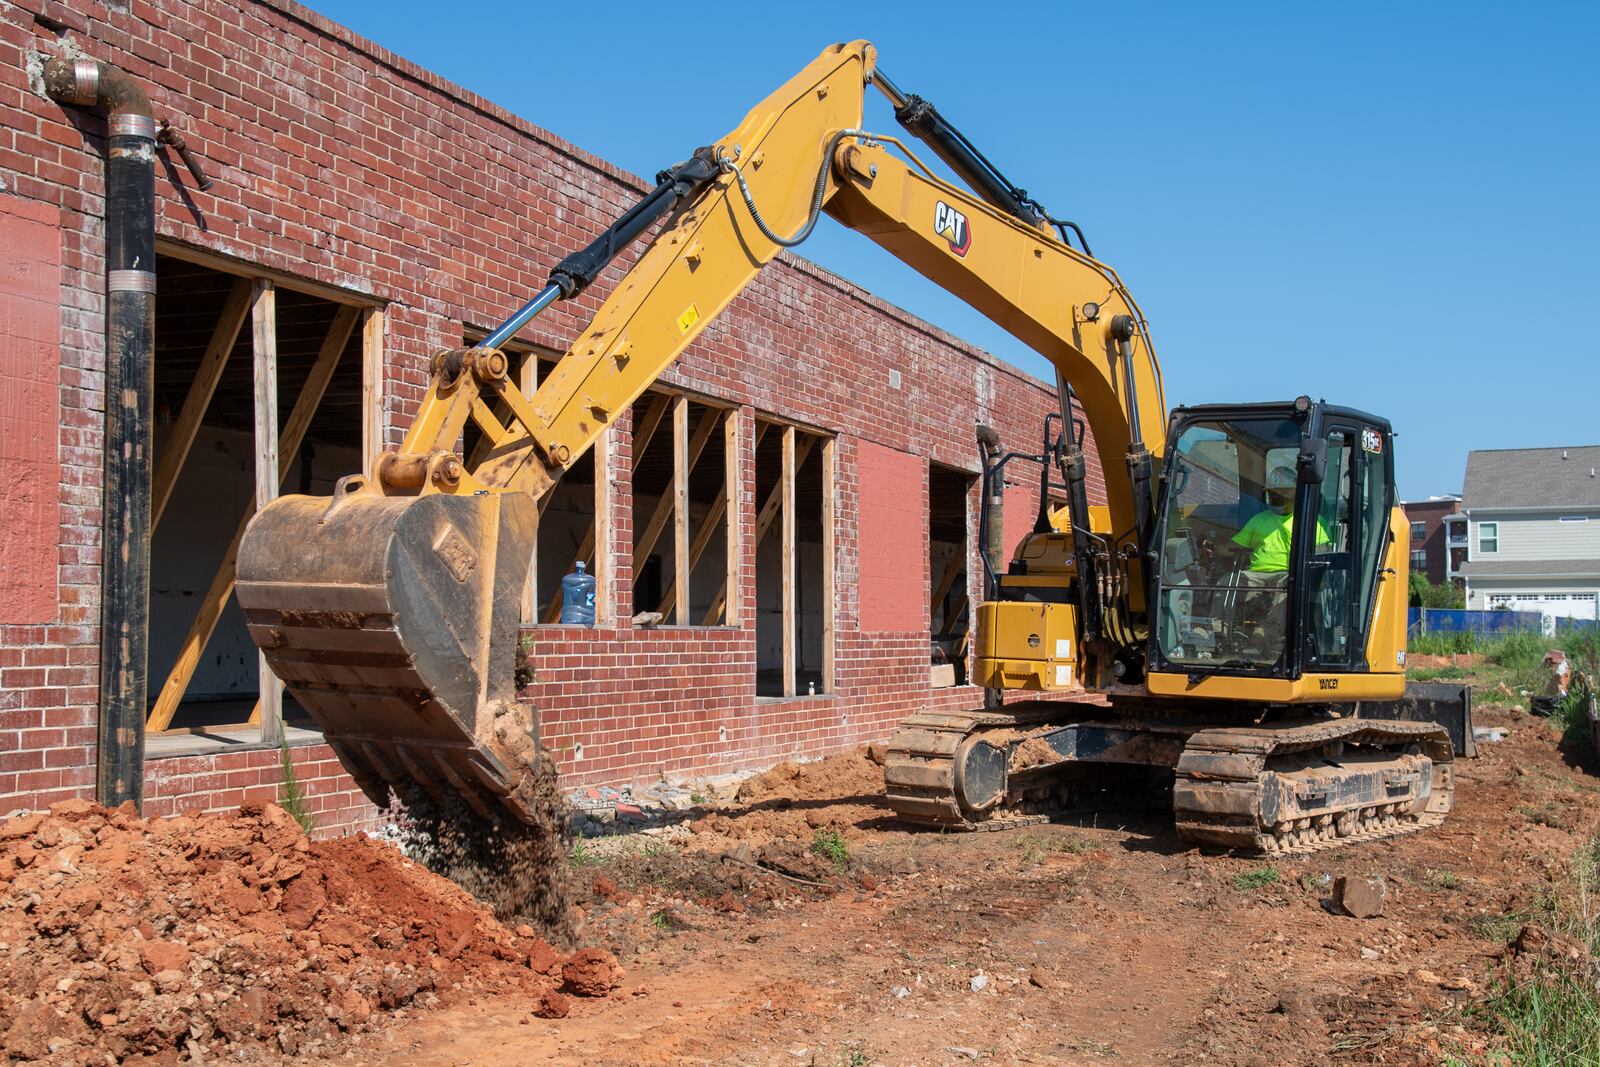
point(1392, 206)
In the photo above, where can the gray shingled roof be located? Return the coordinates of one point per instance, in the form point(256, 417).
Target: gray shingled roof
point(1528, 568)
point(1532, 478)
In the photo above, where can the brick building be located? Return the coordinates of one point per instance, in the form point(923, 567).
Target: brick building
point(824, 440)
point(1431, 552)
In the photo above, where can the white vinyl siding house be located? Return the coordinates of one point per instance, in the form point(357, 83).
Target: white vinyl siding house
point(1533, 530)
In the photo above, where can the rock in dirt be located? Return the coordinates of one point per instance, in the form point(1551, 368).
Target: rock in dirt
point(591, 972)
point(541, 957)
point(553, 1005)
point(1361, 898)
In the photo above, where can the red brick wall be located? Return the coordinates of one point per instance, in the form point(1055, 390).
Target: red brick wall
point(340, 163)
point(893, 553)
point(30, 362)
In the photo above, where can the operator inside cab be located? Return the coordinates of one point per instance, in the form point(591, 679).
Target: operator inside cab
point(1267, 536)
point(1269, 533)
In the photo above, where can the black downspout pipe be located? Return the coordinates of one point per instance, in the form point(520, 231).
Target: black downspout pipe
point(130, 350)
point(991, 526)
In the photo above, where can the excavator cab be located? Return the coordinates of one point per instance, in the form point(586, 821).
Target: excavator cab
point(1273, 525)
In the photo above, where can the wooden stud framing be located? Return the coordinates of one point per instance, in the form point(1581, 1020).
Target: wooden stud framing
point(657, 523)
point(732, 453)
point(957, 564)
point(790, 591)
point(829, 491)
point(206, 377)
point(372, 327)
point(680, 508)
point(765, 517)
point(599, 529)
point(264, 345)
point(211, 605)
point(708, 530)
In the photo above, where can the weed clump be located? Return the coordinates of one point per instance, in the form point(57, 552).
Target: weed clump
point(830, 846)
point(1259, 878)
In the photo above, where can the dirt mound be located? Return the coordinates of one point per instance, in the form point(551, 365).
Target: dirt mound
point(1421, 660)
point(211, 935)
point(845, 774)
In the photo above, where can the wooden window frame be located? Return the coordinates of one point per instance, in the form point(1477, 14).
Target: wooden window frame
point(689, 438)
point(780, 506)
point(254, 296)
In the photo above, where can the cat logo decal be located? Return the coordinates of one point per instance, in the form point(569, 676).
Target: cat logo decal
point(952, 226)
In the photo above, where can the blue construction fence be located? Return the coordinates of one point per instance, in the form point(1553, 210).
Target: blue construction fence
point(1459, 621)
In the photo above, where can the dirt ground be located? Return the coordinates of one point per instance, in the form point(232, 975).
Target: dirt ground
point(792, 923)
point(1098, 940)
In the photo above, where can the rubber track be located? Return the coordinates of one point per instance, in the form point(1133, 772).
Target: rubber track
point(1237, 760)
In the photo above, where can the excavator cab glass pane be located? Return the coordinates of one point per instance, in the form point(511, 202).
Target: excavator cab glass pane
point(1342, 563)
point(1331, 574)
point(1223, 595)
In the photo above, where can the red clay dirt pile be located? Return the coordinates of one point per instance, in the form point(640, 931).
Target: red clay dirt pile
point(231, 936)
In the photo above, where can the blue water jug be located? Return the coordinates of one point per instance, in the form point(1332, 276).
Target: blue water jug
point(577, 598)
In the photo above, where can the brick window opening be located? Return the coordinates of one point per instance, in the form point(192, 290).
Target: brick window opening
point(1419, 530)
point(793, 543)
point(235, 355)
point(681, 474)
point(1419, 561)
point(949, 552)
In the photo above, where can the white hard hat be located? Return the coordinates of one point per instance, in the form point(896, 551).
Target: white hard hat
point(1280, 478)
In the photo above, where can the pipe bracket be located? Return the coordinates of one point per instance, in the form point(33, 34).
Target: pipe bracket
point(85, 81)
point(129, 124)
point(130, 281)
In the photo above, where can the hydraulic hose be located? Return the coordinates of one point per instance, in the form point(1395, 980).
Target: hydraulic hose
point(817, 194)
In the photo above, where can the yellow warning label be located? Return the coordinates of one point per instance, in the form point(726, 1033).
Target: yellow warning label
point(690, 316)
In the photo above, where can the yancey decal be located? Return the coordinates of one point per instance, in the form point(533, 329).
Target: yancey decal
point(952, 226)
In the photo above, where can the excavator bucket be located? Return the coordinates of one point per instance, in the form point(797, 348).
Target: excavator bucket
point(393, 621)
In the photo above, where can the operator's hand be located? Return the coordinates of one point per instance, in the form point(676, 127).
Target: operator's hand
point(1219, 556)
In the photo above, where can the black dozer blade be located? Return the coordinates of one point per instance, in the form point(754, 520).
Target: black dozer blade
point(1447, 705)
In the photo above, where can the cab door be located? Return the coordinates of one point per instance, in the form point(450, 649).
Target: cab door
point(1343, 547)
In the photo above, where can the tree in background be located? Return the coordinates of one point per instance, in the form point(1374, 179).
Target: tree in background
point(1424, 594)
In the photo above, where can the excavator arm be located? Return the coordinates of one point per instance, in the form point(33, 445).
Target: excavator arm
point(391, 610)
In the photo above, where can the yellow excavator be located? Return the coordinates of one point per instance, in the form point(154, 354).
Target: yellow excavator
point(1236, 608)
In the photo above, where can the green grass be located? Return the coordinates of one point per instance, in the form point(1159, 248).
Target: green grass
point(1437, 878)
point(1514, 661)
point(1033, 847)
point(1259, 878)
point(1445, 644)
point(294, 797)
point(581, 855)
point(1572, 718)
point(830, 846)
point(1551, 1015)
